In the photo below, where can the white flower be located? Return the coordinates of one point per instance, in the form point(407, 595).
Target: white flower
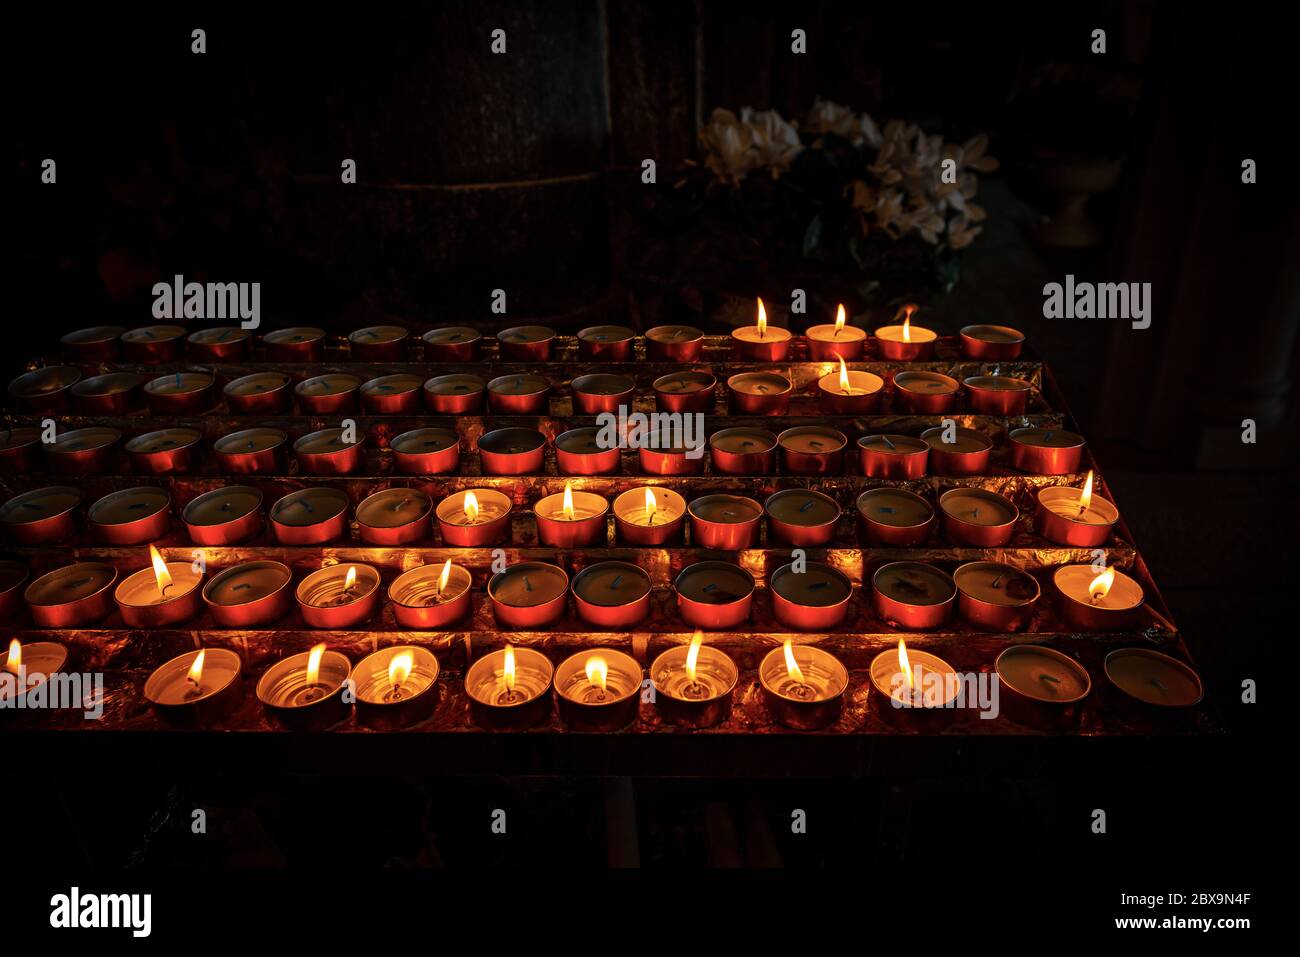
point(757, 140)
point(828, 117)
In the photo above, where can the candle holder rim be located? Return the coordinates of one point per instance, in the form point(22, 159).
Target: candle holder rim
point(636, 570)
point(62, 381)
point(699, 333)
point(971, 330)
point(546, 386)
point(193, 438)
point(206, 381)
point(544, 666)
point(1031, 647)
point(905, 440)
point(428, 505)
point(788, 492)
point(901, 379)
point(706, 379)
point(698, 567)
point(414, 382)
point(240, 335)
point(1142, 595)
point(629, 664)
point(335, 495)
point(425, 336)
point(150, 690)
point(948, 580)
point(1177, 663)
point(496, 576)
point(275, 336)
point(728, 495)
point(402, 580)
point(77, 337)
point(733, 674)
point(283, 437)
point(837, 666)
point(906, 493)
point(478, 493)
point(917, 655)
point(12, 504)
point(832, 433)
point(789, 384)
point(20, 437)
point(1012, 436)
point(984, 493)
point(1020, 572)
point(402, 334)
point(550, 333)
point(411, 434)
point(876, 382)
point(170, 333)
point(1096, 497)
point(592, 330)
point(148, 569)
point(417, 651)
point(670, 494)
point(362, 594)
point(285, 381)
point(302, 440)
point(351, 382)
point(751, 430)
point(973, 384)
point(106, 433)
point(586, 378)
point(938, 430)
point(53, 574)
point(444, 376)
point(211, 584)
point(214, 493)
point(498, 435)
point(304, 655)
point(83, 387)
point(835, 572)
point(166, 500)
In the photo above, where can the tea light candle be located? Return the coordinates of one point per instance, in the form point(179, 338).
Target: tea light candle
point(991, 342)
point(426, 451)
point(268, 392)
point(45, 390)
point(714, 595)
point(694, 684)
point(165, 452)
point(975, 516)
point(802, 517)
point(378, 343)
point(850, 393)
point(431, 597)
point(160, 343)
point(180, 393)
point(218, 344)
point(526, 343)
point(925, 392)
point(605, 343)
point(895, 517)
point(1153, 678)
point(528, 595)
point(24, 668)
point(571, 519)
point(728, 522)
point(474, 518)
point(72, 596)
point(82, 451)
point(649, 516)
point(812, 450)
point(96, 344)
point(296, 344)
point(966, 454)
point(259, 451)
point(580, 452)
point(687, 391)
point(396, 687)
point(998, 394)
point(803, 686)
point(326, 452)
point(996, 596)
point(1045, 685)
point(19, 450)
point(451, 344)
point(1093, 601)
point(195, 689)
point(815, 599)
point(13, 579)
point(912, 595)
point(328, 394)
point(392, 394)
point(906, 342)
point(507, 689)
point(742, 451)
point(520, 393)
point(456, 394)
point(224, 515)
point(113, 393)
point(339, 596)
point(131, 516)
point(759, 342)
point(839, 341)
point(913, 680)
point(310, 516)
point(254, 593)
point(1045, 451)
point(598, 690)
point(759, 393)
point(304, 692)
point(673, 343)
point(42, 516)
point(612, 594)
point(669, 456)
point(394, 516)
point(1070, 516)
point(161, 595)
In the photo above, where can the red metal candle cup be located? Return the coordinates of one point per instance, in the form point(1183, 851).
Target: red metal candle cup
point(224, 516)
point(131, 516)
point(759, 393)
point(490, 525)
point(729, 522)
point(894, 517)
point(587, 528)
point(456, 394)
point(387, 706)
point(601, 392)
point(181, 393)
point(297, 344)
point(802, 517)
point(261, 392)
point(893, 456)
point(611, 594)
point(42, 516)
point(1118, 609)
point(326, 453)
point(1046, 451)
point(912, 596)
point(96, 344)
point(526, 343)
point(528, 595)
point(670, 461)
point(292, 703)
point(774, 346)
point(259, 451)
point(996, 596)
point(45, 390)
point(685, 392)
point(20, 450)
point(742, 451)
point(13, 581)
point(1033, 701)
point(153, 343)
point(925, 393)
point(700, 704)
point(826, 344)
point(391, 395)
point(998, 395)
point(394, 516)
point(165, 452)
point(451, 344)
point(673, 343)
point(418, 603)
point(714, 595)
point(522, 393)
point(143, 605)
point(179, 703)
point(816, 599)
point(496, 707)
point(328, 394)
point(579, 452)
point(967, 454)
point(812, 450)
point(961, 509)
point(991, 342)
point(83, 451)
point(1145, 677)
point(325, 601)
point(378, 343)
point(582, 706)
point(310, 516)
point(251, 594)
point(893, 348)
point(512, 452)
point(635, 523)
point(113, 393)
point(218, 344)
point(827, 678)
point(1058, 519)
point(426, 452)
point(73, 596)
point(866, 392)
point(606, 344)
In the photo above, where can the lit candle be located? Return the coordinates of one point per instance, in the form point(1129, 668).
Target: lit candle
point(803, 686)
point(840, 341)
point(196, 688)
point(598, 690)
point(913, 680)
point(694, 684)
point(396, 687)
point(1078, 517)
point(507, 689)
point(474, 518)
point(850, 393)
point(1097, 601)
point(570, 518)
point(165, 593)
point(759, 343)
point(906, 342)
point(339, 596)
point(26, 667)
point(304, 691)
point(429, 597)
point(649, 516)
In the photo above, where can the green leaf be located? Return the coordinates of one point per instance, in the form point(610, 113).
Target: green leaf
point(812, 236)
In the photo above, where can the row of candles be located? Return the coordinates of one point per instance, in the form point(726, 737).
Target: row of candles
point(739, 450)
point(600, 689)
point(482, 517)
point(534, 343)
point(54, 389)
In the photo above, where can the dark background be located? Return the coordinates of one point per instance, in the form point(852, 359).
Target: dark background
point(522, 172)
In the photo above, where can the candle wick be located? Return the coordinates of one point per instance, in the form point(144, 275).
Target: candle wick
point(709, 587)
point(618, 579)
point(887, 510)
point(996, 583)
point(1158, 683)
point(1050, 678)
point(889, 442)
point(1047, 437)
point(528, 584)
point(651, 519)
point(806, 505)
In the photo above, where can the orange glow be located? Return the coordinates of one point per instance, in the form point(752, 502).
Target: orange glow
point(792, 666)
point(313, 663)
point(907, 328)
point(568, 501)
point(1100, 586)
point(1085, 499)
point(762, 319)
point(839, 319)
point(160, 572)
point(471, 507)
point(15, 660)
point(196, 669)
point(508, 672)
point(904, 664)
point(351, 578)
point(444, 577)
point(651, 506)
point(693, 654)
point(597, 671)
point(399, 669)
point(844, 377)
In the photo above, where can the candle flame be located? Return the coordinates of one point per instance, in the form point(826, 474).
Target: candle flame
point(351, 578)
point(471, 507)
point(904, 664)
point(160, 572)
point(1100, 586)
point(693, 654)
point(444, 577)
point(597, 671)
point(792, 666)
point(568, 501)
point(844, 376)
point(15, 660)
point(907, 327)
point(196, 669)
point(839, 319)
point(762, 319)
point(1085, 499)
point(651, 506)
point(313, 663)
point(399, 668)
point(509, 669)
